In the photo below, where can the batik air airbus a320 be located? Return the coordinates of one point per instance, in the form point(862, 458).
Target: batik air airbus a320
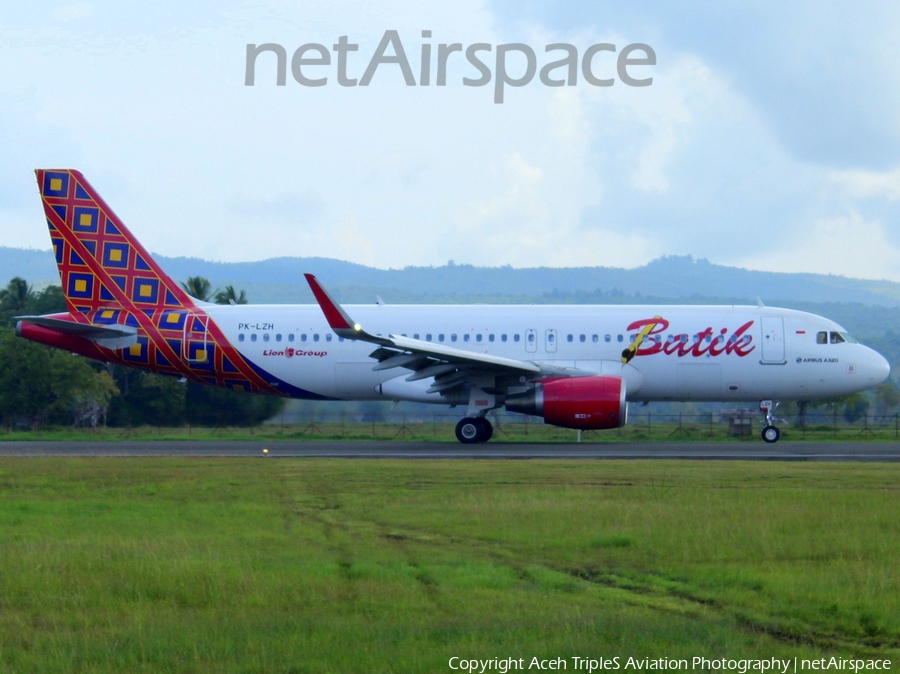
point(575, 366)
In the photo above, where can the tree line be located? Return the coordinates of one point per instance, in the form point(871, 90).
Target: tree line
point(42, 386)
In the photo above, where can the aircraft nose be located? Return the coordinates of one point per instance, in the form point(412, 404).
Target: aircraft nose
point(879, 368)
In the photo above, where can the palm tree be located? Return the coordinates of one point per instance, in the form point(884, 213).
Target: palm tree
point(15, 295)
point(230, 296)
point(198, 287)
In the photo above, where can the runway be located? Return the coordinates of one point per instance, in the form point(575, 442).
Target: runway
point(733, 451)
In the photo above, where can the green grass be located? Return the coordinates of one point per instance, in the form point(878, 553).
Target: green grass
point(260, 565)
point(442, 430)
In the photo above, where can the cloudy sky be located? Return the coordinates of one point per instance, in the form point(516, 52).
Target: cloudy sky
point(769, 139)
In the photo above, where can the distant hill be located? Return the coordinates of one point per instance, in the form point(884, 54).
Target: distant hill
point(673, 278)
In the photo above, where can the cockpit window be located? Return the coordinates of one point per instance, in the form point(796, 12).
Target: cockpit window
point(836, 338)
point(848, 338)
point(822, 338)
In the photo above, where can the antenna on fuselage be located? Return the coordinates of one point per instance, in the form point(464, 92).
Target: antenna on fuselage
point(759, 302)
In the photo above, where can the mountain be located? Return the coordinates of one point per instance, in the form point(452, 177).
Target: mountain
point(672, 278)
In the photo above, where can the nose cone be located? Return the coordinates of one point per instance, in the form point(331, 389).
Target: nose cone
point(878, 368)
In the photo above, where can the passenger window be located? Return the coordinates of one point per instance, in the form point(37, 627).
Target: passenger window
point(569, 338)
point(477, 338)
point(291, 337)
point(595, 338)
point(490, 338)
point(428, 337)
point(266, 337)
point(516, 338)
point(607, 338)
point(822, 338)
point(441, 338)
point(278, 337)
point(619, 338)
point(466, 337)
point(303, 337)
point(502, 338)
point(836, 338)
point(530, 336)
point(581, 338)
point(253, 337)
point(452, 338)
point(241, 337)
point(316, 337)
point(328, 337)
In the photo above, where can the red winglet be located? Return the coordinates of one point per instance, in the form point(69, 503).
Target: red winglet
point(337, 318)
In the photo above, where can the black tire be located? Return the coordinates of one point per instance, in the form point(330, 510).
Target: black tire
point(770, 434)
point(468, 431)
point(485, 429)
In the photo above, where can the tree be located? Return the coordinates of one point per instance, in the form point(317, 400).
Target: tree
point(198, 288)
point(18, 299)
point(147, 399)
point(13, 299)
point(39, 384)
point(855, 406)
point(887, 399)
point(230, 296)
point(16, 294)
point(214, 406)
point(91, 402)
point(50, 300)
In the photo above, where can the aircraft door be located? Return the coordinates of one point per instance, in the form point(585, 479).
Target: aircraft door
point(531, 340)
point(550, 341)
point(772, 340)
point(194, 346)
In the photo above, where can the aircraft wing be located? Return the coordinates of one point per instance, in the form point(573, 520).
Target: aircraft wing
point(451, 367)
point(112, 336)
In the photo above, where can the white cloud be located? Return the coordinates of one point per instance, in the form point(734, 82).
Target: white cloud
point(160, 121)
point(868, 184)
point(73, 12)
point(846, 245)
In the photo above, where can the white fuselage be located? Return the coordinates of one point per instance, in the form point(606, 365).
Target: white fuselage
point(703, 353)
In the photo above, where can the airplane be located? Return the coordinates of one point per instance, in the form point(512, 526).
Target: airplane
point(576, 366)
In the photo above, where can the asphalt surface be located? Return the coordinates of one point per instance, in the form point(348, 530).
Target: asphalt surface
point(753, 451)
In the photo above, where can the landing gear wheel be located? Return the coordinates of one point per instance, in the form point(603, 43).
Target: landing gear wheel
point(485, 429)
point(468, 431)
point(771, 434)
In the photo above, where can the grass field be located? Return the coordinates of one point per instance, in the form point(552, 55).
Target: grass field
point(202, 565)
point(696, 428)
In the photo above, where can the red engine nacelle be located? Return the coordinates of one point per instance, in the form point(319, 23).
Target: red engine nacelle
point(587, 403)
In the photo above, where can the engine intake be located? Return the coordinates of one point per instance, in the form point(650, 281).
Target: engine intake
point(586, 403)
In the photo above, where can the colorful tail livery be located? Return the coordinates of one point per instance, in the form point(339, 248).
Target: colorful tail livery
point(576, 366)
point(122, 307)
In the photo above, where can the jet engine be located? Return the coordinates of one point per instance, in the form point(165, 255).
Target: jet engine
point(587, 403)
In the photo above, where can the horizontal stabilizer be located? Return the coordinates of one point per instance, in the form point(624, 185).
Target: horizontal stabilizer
point(109, 336)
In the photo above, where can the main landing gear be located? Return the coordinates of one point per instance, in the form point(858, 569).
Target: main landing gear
point(470, 430)
point(769, 433)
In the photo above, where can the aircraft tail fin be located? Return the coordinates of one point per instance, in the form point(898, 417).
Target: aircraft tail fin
point(101, 264)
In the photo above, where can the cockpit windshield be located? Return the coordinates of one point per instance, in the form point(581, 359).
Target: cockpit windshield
point(834, 337)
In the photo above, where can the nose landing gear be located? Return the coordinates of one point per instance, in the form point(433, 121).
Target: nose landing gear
point(470, 430)
point(769, 433)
